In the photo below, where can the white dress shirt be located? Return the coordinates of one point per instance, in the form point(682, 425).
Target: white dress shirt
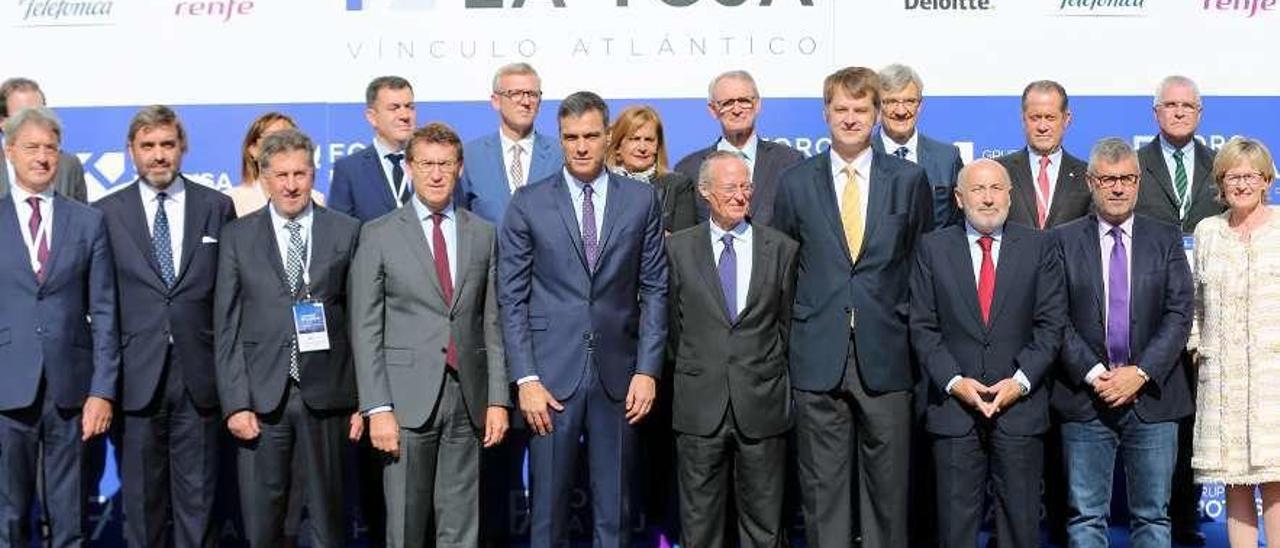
point(1055, 162)
point(862, 167)
point(398, 189)
point(912, 144)
point(748, 150)
point(1106, 243)
point(448, 226)
point(19, 196)
point(173, 208)
point(526, 145)
point(1188, 163)
point(282, 239)
point(742, 242)
point(975, 257)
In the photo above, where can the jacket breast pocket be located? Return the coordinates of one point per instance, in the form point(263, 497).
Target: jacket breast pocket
point(5, 337)
point(537, 323)
point(402, 357)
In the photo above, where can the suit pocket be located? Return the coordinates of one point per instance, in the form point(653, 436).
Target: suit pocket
point(402, 357)
point(537, 323)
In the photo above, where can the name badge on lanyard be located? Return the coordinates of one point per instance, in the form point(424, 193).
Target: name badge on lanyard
point(310, 326)
point(32, 242)
point(1189, 246)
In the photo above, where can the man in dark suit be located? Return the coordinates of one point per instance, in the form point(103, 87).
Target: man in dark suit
point(902, 97)
point(1176, 188)
point(513, 156)
point(857, 215)
point(731, 289)
point(987, 312)
point(1048, 183)
point(428, 349)
point(164, 233)
point(58, 338)
point(582, 281)
point(284, 370)
point(734, 100)
point(17, 94)
point(368, 184)
point(1122, 385)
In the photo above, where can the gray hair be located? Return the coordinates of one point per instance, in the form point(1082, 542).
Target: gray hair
point(704, 170)
point(1171, 81)
point(380, 83)
point(974, 165)
point(40, 116)
point(510, 69)
point(734, 75)
point(1110, 150)
point(16, 84)
point(156, 116)
point(283, 141)
point(582, 102)
point(897, 76)
point(1045, 86)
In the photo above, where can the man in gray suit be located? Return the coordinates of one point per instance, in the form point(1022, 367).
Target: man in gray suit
point(15, 95)
point(428, 349)
point(732, 285)
point(901, 97)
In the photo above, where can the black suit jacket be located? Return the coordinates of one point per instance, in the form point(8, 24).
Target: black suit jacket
point(830, 285)
point(1071, 197)
point(942, 165)
point(1028, 312)
point(253, 319)
point(1157, 198)
point(1160, 307)
point(151, 313)
point(722, 364)
point(772, 159)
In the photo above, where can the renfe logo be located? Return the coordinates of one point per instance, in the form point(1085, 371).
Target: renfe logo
point(1252, 7)
point(223, 9)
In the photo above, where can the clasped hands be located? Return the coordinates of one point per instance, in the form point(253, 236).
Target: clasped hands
point(1119, 386)
point(988, 400)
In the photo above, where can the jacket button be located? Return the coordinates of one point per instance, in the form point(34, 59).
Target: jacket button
point(444, 350)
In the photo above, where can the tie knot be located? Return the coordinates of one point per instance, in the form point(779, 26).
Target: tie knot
point(902, 152)
point(395, 157)
point(437, 218)
point(516, 149)
point(985, 243)
point(34, 202)
point(728, 240)
point(1044, 162)
point(161, 196)
point(1177, 153)
point(587, 190)
point(1116, 232)
point(294, 227)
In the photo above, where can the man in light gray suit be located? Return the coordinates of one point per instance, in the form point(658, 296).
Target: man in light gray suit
point(428, 349)
point(20, 93)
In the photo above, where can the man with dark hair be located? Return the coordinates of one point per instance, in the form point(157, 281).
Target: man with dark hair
point(373, 181)
point(1048, 183)
point(582, 282)
point(164, 232)
point(15, 95)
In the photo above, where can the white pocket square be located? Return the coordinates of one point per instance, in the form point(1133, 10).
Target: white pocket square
point(208, 240)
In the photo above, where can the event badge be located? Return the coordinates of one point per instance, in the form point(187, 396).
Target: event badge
point(1189, 246)
point(310, 326)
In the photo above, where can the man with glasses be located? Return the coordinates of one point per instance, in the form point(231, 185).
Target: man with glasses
point(1177, 188)
point(734, 101)
point(901, 97)
point(1121, 386)
point(372, 182)
point(516, 154)
point(15, 95)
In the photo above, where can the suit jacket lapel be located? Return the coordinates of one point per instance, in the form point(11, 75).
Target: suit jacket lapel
point(61, 220)
point(271, 251)
point(1068, 184)
point(11, 237)
point(962, 263)
point(462, 221)
point(1201, 183)
point(194, 216)
point(1008, 269)
point(879, 188)
point(4, 176)
point(1153, 164)
point(417, 243)
point(761, 259)
point(564, 205)
point(374, 165)
point(706, 264)
point(135, 221)
point(612, 209)
point(826, 194)
point(543, 148)
point(1025, 192)
point(1091, 249)
point(320, 249)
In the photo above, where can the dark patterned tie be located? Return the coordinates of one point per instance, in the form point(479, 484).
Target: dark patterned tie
point(440, 253)
point(901, 152)
point(294, 260)
point(1180, 184)
point(161, 245)
point(42, 246)
point(589, 243)
point(728, 266)
point(397, 176)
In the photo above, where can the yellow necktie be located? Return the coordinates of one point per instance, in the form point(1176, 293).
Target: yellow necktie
point(851, 212)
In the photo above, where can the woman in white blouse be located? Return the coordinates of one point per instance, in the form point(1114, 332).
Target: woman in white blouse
point(250, 196)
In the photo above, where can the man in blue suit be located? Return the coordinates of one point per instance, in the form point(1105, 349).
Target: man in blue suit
point(58, 340)
point(164, 233)
point(501, 162)
point(582, 282)
point(373, 181)
point(858, 215)
point(1122, 385)
point(902, 96)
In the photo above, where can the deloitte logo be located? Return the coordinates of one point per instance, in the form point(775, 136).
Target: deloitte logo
point(948, 5)
point(397, 5)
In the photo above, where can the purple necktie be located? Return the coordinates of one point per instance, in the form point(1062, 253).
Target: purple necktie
point(42, 246)
point(728, 266)
point(1118, 302)
point(589, 243)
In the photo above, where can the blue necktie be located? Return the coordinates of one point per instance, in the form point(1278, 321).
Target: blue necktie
point(728, 266)
point(589, 243)
point(902, 152)
point(161, 246)
point(1118, 302)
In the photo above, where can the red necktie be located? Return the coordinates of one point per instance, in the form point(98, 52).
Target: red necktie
point(441, 254)
point(1042, 201)
point(42, 246)
point(986, 279)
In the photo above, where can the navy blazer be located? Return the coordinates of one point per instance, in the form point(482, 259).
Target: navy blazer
point(483, 187)
point(772, 160)
point(942, 164)
point(830, 286)
point(1071, 196)
point(1160, 308)
point(152, 314)
point(556, 315)
point(1028, 312)
point(64, 329)
point(360, 187)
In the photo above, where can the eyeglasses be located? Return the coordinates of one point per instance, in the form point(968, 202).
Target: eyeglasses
point(520, 94)
point(910, 103)
point(745, 103)
point(1179, 105)
point(735, 190)
point(427, 166)
point(1110, 181)
point(1243, 179)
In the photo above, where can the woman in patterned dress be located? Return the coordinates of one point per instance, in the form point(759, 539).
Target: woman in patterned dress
point(1236, 338)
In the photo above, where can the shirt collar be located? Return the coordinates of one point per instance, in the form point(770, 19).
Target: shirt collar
point(384, 149)
point(972, 233)
point(20, 194)
point(278, 221)
point(1126, 228)
point(175, 192)
point(599, 185)
point(1055, 157)
point(424, 212)
point(526, 142)
point(741, 231)
point(748, 150)
point(891, 146)
point(1168, 148)
point(861, 164)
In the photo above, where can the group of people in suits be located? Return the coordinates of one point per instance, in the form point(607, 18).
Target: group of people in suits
point(793, 308)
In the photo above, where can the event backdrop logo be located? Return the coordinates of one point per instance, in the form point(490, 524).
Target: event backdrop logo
point(216, 10)
point(65, 13)
point(405, 5)
point(1248, 8)
point(1105, 8)
point(948, 5)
